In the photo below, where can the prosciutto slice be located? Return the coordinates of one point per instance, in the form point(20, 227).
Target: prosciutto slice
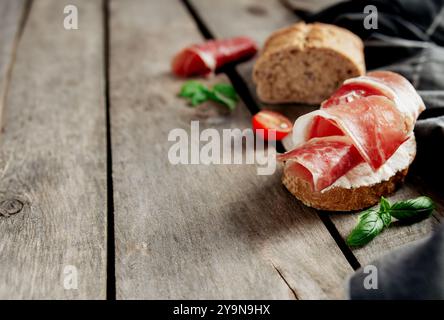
point(322, 161)
point(383, 83)
point(204, 58)
point(367, 119)
point(353, 91)
point(373, 124)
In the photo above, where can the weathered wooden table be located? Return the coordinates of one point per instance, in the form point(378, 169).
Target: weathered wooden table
point(90, 207)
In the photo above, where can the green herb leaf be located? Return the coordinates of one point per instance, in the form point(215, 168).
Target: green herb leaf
point(198, 98)
point(384, 211)
point(413, 209)
point(225, 94)
point(384, 205)
point(191, 88)
point(198, 93)
point(222, 99)
point(195, 91)
point(386, 218)
point(227, 90)
point(370, 224)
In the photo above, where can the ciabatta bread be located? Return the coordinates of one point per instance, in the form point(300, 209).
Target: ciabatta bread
point(306, 63)
point(359, 188)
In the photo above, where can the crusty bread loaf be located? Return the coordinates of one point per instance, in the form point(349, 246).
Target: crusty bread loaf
point(356, 197)
point(306, 63)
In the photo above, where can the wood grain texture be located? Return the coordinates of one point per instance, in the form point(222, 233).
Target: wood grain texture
point(52, 158)
point(11, 14)
point(214, 15)
point(197, 231)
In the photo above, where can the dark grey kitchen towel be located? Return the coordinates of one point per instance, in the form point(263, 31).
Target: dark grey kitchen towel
point(415, 271)
point(409, 40)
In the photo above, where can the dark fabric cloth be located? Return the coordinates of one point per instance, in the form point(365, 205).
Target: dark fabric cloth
point(409, 40)
point(415, 271)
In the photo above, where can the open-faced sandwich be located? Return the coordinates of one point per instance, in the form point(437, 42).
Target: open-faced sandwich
point(357, 147)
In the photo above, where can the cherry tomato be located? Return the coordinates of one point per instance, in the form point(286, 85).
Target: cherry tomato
point(270, 120)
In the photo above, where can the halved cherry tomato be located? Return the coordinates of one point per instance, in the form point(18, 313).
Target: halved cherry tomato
point(271, 121)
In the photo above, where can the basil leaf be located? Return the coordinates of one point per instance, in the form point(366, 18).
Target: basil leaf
point(384, 212)
point(225, 94)
point(386, 218)
point(198, 98)
point(227, 90)
point(222, 99)
point(197, 92)
point(191, 88)
point(413, 209)
point(385, 205)
point(370, 224)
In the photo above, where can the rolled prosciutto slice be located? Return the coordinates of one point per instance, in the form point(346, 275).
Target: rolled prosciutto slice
point(373, 124)
point(382, 83)
point(322, 161)
point(202, 59)
point(368, 119)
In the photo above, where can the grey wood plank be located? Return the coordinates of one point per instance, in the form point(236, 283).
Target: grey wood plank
point(215, 14)
point(197, 231)
point(11, 14)
point(53, 158)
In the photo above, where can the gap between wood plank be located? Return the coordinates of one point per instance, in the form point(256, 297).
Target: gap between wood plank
point(252, 106)
point(286, 282)
point(334, 232)
point(21, 27)
point(111, 250)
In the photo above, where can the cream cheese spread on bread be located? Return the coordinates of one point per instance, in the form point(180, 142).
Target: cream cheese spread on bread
point(363, 175)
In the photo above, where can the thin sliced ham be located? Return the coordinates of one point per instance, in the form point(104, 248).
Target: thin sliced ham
point(396, 88)
point(353, 91)
point(371, 116)
point(204, 58)
point(373, 124)
point(322, 161)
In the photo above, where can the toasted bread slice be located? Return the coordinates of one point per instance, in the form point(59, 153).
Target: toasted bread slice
point(359, 188)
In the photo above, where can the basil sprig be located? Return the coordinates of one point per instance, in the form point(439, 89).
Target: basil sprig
point(413, 209)
point(372, 222)
point(198, 93)
point(384, 212)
